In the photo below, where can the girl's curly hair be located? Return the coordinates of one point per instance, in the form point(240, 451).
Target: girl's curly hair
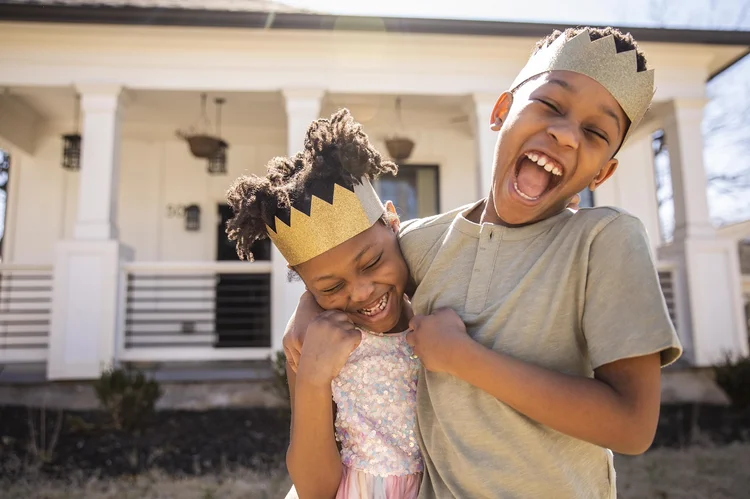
point(335, 150)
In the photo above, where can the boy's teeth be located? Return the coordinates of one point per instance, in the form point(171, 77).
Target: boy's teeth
point(545, 163)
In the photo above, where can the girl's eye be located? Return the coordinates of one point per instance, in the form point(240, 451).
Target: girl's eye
point(333, 289)
point(374, 262)
point(550, 105)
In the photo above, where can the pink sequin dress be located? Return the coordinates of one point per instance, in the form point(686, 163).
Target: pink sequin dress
point(375, 395)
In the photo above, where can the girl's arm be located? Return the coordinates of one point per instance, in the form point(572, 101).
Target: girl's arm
point(313, 458)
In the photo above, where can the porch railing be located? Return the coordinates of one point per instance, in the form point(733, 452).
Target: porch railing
point(25, 308)
point(195, 311)
point(667, 278)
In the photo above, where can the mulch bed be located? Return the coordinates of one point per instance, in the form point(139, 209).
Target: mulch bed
point(177, 442)
point(196, 443)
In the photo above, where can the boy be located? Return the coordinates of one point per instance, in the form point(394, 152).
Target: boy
point(542, 332)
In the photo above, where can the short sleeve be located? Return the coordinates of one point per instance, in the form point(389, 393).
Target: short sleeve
point(625, 314)
point(419, 241)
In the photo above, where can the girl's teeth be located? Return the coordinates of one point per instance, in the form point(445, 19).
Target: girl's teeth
point(548, 167)
point(377, 308)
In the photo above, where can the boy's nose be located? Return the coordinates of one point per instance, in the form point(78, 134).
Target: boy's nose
point(565, 134)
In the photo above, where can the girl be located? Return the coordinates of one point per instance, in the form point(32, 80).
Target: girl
point(323, 215)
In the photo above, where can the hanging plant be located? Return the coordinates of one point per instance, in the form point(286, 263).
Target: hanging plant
point(202, 144)
point(399, 147)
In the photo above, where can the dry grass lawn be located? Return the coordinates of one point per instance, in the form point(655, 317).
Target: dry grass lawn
point(694, 473)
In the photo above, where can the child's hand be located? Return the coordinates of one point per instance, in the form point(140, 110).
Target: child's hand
point(329, 341)
point(436, 337)
point(307, 310)
point(574, 202)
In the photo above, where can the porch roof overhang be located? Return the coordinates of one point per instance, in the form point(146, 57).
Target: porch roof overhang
point(266, 15)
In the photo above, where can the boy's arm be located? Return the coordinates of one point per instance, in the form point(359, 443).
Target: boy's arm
point(628, 336)
point(618, 409)
point(294, 335)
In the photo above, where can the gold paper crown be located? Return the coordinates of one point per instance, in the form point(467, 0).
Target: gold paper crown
point(328, 224)
point(599, 60)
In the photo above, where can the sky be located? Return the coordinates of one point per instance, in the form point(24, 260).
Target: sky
point(728, 152)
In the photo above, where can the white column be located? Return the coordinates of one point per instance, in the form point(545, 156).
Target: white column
point(87, 297)
point(633, 186)
point(709, 266)
point(100, 162)
point(302, 107)
point(485, 138)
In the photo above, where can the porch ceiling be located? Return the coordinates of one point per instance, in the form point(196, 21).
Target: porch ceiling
point(244, 109)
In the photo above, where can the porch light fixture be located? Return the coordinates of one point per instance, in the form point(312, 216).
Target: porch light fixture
point(192, 218)
point(399, 148)
point(202, 144)
point(71, 159)
point(217, 163)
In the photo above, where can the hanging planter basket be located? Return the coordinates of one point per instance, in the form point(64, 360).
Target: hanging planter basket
point(202, 146)
point(399, 148)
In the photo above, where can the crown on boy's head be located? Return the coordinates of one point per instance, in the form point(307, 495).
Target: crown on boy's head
point(599, 60)
point(325, 219)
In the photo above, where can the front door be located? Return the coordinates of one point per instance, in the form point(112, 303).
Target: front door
point(243, 301)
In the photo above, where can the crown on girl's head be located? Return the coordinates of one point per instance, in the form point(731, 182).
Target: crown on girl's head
point(325, 219)
point(599, 60)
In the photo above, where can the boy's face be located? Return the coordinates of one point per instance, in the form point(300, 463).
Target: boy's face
point(566, 122)
point(365, 277)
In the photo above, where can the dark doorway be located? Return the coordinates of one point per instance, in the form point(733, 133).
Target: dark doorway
point(243, 301)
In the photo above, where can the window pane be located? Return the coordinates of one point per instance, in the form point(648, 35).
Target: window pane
point(414, 191)
point(587, 198)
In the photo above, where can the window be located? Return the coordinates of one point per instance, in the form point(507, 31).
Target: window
point(663, 176)
point(4, 176)
point(414, 191)
point(587, 198)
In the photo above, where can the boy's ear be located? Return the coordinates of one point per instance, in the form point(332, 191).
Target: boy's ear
point(604, 174)
point(500, 111)
point(393, 221)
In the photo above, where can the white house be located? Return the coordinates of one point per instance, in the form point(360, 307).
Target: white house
point(114, 263)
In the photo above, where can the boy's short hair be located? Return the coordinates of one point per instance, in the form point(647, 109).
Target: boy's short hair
point(623, 41)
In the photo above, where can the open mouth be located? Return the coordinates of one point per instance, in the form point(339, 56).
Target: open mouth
point(377, 308)
point(536, 174)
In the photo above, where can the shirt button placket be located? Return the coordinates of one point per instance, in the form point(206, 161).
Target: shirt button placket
point(478, 284)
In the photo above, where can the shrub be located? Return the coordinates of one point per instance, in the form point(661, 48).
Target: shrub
point(733, 376)
point(128, 396)
point(281, 381)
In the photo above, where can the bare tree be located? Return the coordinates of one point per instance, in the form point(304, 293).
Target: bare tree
point(726, 126)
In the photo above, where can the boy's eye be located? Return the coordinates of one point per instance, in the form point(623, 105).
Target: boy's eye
point(598, 134)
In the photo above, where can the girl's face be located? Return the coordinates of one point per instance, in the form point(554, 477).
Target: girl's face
point(365, 277)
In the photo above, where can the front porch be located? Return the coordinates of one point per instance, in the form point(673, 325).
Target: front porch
point(101, 266)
